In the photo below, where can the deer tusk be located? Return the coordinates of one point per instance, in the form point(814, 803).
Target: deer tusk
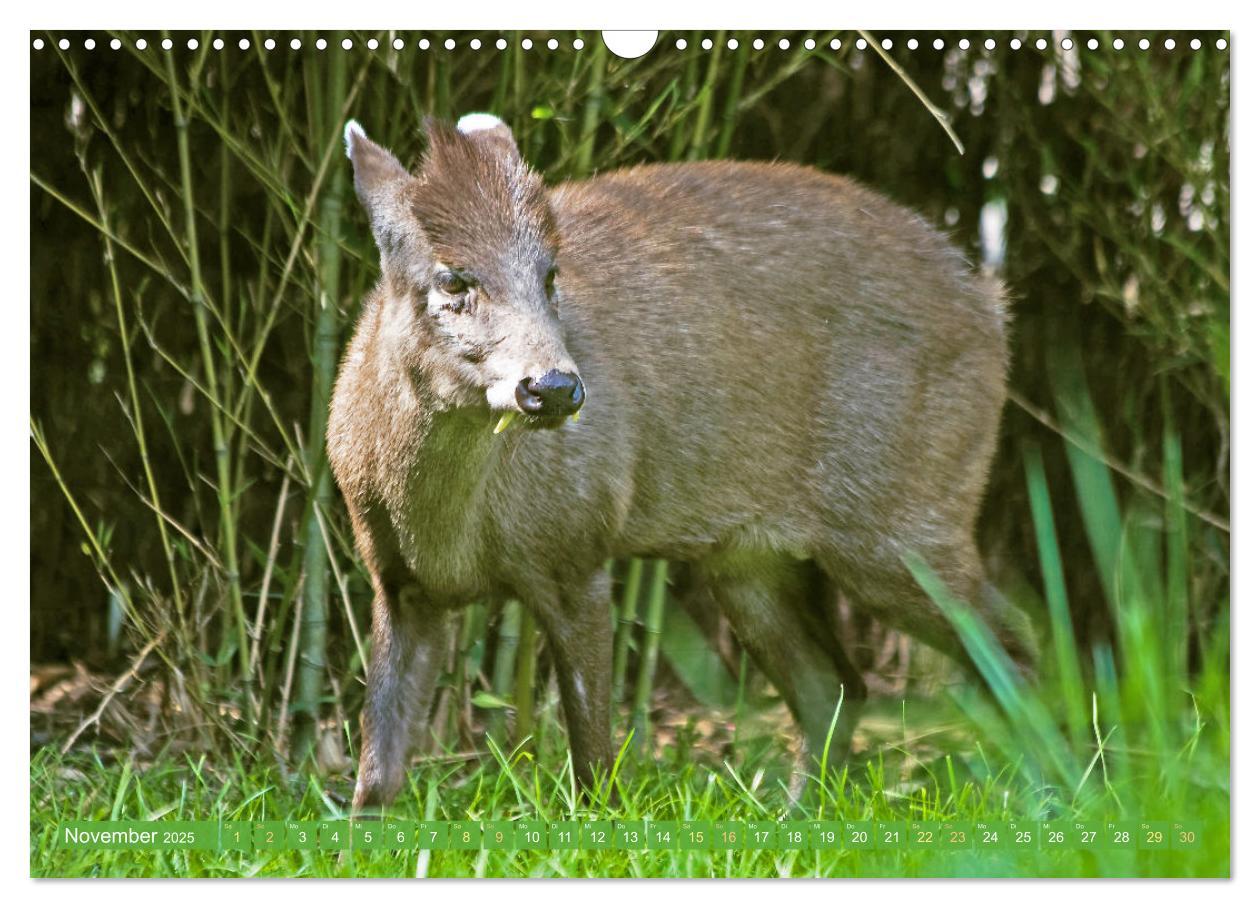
point(504, 421)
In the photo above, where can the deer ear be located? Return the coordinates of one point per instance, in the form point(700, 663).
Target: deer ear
point(490, 132)
point(379, 180)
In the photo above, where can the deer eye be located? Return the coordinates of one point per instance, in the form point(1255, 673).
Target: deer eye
point(451, 283)
point(549, 282)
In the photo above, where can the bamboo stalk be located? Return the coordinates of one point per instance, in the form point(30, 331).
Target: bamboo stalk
point(700, 136)
point(651, 650)
point(222, 455)
point(594, 103)
point(730, 113)
point(314, 633)
point(501, 89)
point(225, 234)
point(678, 142)
point(625, 627)
point(505, 666)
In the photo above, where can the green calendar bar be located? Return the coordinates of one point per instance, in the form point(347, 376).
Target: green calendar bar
point(263, 836)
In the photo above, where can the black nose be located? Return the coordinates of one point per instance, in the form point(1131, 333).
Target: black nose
point(555, 394)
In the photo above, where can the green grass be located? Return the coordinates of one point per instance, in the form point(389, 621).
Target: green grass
point(932, 778)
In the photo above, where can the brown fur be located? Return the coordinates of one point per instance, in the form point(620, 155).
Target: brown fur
point(792, 384)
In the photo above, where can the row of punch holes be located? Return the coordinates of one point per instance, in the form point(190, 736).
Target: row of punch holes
point(577, 44)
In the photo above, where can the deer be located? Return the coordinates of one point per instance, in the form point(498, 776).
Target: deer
point(769, 373)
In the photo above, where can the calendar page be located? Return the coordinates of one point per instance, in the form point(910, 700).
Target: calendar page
point(705, 453)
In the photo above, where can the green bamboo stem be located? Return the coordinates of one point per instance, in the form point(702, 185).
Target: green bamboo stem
point(700, 136)
point(313, 641)
point(197, 296)
point(594, 102)
point(678, 142)
point(225, 231)
point(625, 627)
point(651, 651)
point(501, 86)
point(730, 113)
point(505, 667)
point(442, 93)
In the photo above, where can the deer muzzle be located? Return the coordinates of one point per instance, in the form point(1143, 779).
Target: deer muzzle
point(556, 393)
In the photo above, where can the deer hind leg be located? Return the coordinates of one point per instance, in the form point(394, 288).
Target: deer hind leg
point(778, 609)
point(409, 646)
point(881, 584)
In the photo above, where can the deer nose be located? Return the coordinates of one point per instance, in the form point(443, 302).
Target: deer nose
point(555, 394)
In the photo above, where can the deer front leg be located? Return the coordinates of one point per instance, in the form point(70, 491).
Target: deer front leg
point(409, 645)
point(578, 625)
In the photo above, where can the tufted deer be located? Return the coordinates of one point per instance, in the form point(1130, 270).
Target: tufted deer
point(783, 379)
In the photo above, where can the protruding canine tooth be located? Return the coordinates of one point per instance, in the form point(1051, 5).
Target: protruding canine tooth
point(504, 421)
point(575, 415)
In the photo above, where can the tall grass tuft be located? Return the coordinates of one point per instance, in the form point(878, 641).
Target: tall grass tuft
point(1124, 731)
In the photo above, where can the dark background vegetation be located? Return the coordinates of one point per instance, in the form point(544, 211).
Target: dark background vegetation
point(1111, 166)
